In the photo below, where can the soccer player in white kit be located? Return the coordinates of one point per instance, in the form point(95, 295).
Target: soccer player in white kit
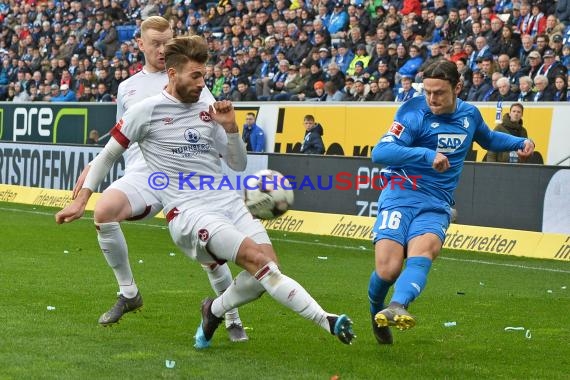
point(177, 132)
point(130, 197)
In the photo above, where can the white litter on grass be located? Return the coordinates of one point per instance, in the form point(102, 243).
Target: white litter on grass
point(248, 328)
point(172, 254)
point(481, 283)
point(361, 247)
point(509, 328)
point(50, 308)
point(549, 291)
point(322, 257)
point(170, 363)
point(527, 334)
point(66, 251)
point(140, 261)
point(450, 324)
point(563, 287)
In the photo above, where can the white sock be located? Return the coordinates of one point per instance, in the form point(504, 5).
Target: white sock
point(114, 247)
point(291, 294)
point(220, 278)
point(244, 289)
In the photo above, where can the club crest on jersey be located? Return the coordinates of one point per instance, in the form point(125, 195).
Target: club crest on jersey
point(167, 120)
point(205, 116)
point(203, 235)
point(396, 129)
point(191, 135)
point(449, 142)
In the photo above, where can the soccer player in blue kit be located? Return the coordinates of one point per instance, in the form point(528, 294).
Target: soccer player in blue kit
point(423, 154)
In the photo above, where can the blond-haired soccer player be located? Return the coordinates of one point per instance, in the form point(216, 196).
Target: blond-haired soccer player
point(130, 197)
point(177, 132)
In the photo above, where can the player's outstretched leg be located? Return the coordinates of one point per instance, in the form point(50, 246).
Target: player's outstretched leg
point(377, 291)
point(114, 248)
point(286, 291)
point(220, 278)
point(291, 294)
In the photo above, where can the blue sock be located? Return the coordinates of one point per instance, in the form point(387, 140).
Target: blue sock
point(377, 290)
point(412, 280)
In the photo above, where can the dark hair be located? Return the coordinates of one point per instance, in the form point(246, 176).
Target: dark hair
point(309, 118)
point(180, 50)
point(517, 105)
point(444, 70)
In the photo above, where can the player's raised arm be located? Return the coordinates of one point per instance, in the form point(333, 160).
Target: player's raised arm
point(100, 167)
point(501, 142)
point(236, 155)
point(80, 180)
point(397, 146)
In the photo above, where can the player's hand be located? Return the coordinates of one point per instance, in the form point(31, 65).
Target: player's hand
point(223, 113)
point(79, 184)
point(440, 163)
point(527, 151)
point(71, 212)
point(75, 209)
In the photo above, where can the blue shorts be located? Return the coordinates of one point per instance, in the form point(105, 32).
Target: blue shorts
point(405, 218)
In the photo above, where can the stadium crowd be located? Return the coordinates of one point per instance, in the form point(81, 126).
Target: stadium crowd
point(346, 50)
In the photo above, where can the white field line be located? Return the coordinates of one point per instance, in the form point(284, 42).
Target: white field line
point(341, 247)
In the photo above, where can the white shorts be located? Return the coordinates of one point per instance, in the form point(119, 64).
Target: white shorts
point(192, 229)
point(144, 201)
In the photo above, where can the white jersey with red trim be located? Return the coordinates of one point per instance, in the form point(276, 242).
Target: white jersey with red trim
point(182, 141)
point(141, 86)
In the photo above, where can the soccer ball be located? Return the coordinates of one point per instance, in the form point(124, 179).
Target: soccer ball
point(268, 194)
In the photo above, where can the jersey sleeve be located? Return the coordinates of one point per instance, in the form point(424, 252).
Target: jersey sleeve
point(133, 126)
point(493, 140)
point(102, 164)
point(220, 140)
point(397, 146)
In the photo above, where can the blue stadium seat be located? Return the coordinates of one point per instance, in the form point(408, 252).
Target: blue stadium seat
point(126, 32)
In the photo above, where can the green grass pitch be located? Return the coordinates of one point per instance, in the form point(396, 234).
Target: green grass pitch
point(43, 264)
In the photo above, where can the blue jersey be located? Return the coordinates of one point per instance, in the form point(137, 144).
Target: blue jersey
point(416, 135)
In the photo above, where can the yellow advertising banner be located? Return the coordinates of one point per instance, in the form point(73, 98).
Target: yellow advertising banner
point(40, 197)
point(469, 238)
point(352, 130)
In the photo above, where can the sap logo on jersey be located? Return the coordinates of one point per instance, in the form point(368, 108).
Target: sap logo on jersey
point(447, 143)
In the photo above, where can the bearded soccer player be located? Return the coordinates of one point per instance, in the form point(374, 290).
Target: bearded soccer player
point(130, 197)
point(177, 132)
point(426, 144)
